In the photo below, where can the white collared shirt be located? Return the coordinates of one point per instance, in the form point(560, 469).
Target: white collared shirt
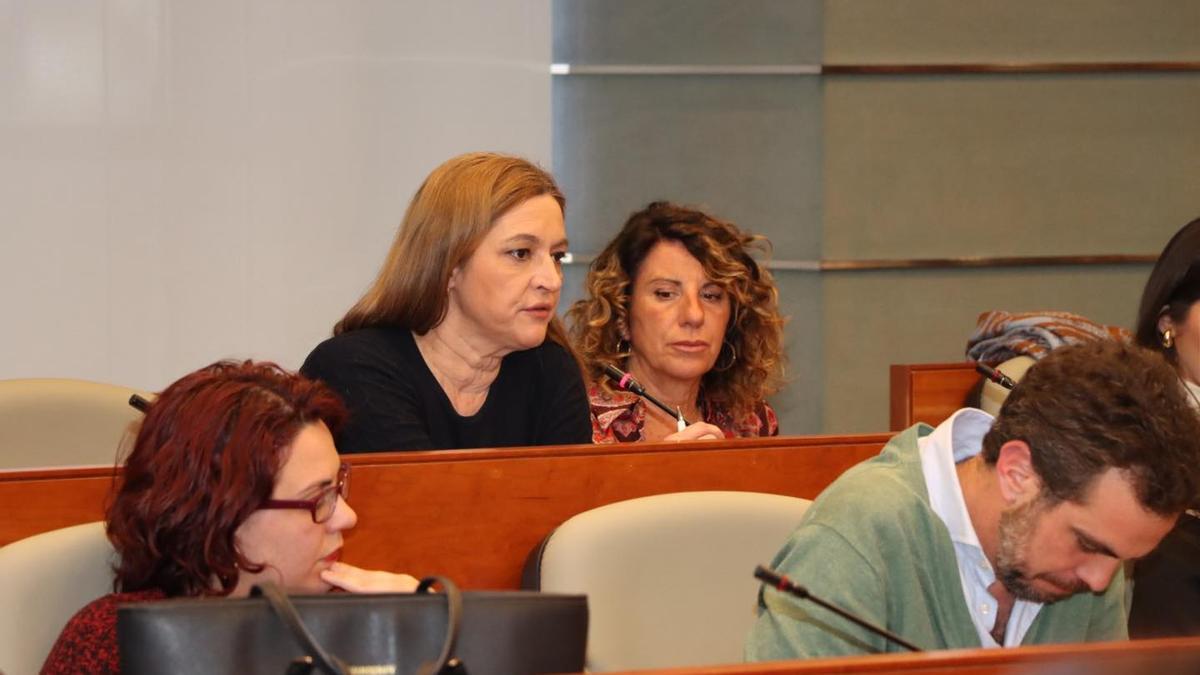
point(959, 438)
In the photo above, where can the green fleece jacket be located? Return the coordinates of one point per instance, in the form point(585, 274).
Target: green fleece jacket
point(871, 544)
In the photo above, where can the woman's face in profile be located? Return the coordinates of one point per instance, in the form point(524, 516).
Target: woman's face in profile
point(294, 549)
point(507, 291)
point(1187, 342)
point(677, 316)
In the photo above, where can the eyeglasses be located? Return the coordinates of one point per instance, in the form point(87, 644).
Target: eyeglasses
point(324, 504)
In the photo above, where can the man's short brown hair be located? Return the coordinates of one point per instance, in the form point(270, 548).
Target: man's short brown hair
point(1104, 404)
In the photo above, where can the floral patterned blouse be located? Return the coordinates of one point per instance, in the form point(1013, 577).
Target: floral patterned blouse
point(620, 417)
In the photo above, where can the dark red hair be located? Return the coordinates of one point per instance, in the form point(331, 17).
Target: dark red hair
point(205, 458)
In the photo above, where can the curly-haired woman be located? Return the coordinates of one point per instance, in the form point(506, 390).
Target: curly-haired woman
point(677, 300)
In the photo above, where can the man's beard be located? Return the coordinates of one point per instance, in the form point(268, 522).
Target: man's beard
point(1016, 528)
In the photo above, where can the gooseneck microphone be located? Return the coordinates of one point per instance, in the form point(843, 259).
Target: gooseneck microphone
point(995, 375)
point(138, 403)
point(625, 381)
point(785, 585)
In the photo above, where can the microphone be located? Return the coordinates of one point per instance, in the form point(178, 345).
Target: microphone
point(625, 381)
point(138, 403)
point(783, 584)
point(995, 375)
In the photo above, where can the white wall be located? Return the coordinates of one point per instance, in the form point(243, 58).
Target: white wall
point(182, 181)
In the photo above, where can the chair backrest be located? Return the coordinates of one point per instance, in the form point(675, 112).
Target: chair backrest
point(669, 578)
point(47, 578)
point(60, 422)
point(992, 395)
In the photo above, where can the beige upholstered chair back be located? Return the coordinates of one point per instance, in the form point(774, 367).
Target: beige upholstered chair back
point(53, 422)
point(992, 396)
point(669, 578)
point(46, 579)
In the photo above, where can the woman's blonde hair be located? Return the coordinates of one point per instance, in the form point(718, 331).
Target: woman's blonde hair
point(752, 355)
point(445, 222)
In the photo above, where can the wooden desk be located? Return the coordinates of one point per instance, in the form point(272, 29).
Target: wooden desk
point(1160, 657)
point(474, 515)
point(929, 392)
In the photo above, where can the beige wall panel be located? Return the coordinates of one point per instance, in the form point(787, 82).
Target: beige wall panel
point(187, 181)
point(875, 319)
point(969, 31)
point(1008, 164)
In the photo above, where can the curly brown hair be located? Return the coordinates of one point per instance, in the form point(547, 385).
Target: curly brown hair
point(1103, 404)
point(755, 330)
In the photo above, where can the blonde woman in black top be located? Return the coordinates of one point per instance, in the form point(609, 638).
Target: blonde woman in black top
point(457, 344)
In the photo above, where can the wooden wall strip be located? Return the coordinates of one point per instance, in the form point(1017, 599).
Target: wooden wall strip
point(1018, 68)
point(716, 70)
point(984, 261)
point(939, 263)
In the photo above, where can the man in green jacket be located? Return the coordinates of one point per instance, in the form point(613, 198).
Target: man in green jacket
point(1004, 532)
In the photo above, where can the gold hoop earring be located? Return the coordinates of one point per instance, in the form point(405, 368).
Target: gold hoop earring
point(623, 347)
point(1168, 339)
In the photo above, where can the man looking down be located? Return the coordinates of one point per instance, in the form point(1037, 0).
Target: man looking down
point(997, 532)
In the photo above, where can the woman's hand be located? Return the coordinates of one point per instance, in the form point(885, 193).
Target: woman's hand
point(697, 431)
point(358, 580)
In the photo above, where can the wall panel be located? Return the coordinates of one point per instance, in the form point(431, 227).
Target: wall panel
point(725, 137)
point(189, 181)
point(971, 31)
point(1008, 165)
point(748, 148)
point(873, 319)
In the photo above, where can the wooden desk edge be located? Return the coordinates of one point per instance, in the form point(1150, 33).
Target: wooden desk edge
point(487, 454)
point(950, 659)
point(47, 499)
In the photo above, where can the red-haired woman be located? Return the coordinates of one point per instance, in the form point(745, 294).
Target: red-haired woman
point(233, 479)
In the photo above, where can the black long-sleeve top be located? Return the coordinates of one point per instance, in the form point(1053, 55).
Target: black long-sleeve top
point(395, 403)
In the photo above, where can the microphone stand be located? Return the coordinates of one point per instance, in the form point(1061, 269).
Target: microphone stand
point(995, 375)
point(138, 403)
point(626, 382)
point(785, 585)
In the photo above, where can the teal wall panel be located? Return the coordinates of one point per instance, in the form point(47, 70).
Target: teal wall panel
point(1008, 165)
point(742, 32)
point(976, 31)
point(874, 319)
point(853, 167)
point(746, 148)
